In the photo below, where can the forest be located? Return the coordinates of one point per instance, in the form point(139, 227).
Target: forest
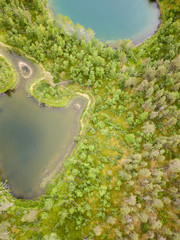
point(121, 182)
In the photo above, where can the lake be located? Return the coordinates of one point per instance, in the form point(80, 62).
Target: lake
point(112, 20)
point(34, 140)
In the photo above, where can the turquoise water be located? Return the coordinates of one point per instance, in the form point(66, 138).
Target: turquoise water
point(112, 19)
point(34, 140)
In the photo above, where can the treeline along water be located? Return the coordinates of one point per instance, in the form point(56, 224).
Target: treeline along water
point(112, 20)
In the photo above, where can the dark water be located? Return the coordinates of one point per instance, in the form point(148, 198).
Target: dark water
point(112, 19)
point(33, 139)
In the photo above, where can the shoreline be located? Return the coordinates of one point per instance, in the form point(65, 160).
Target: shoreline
point(114, 43)
point(158, 28)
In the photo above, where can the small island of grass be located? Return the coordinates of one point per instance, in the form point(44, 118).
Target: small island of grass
point(53, 95)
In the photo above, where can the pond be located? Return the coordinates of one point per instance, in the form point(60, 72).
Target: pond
point(34, 140)
point(112, 20)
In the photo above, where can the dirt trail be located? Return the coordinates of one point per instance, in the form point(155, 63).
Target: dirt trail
point(87, 108)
